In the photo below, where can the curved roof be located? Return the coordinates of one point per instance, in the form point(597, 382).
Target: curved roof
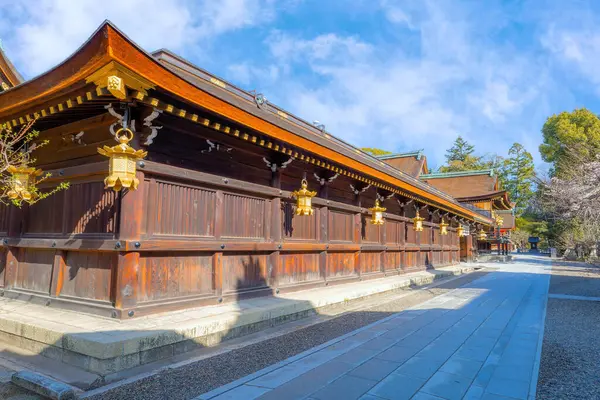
point(499, 198)
point(108, 45)
point(8, 73)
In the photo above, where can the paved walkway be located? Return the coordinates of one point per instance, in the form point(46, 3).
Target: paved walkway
point(481, 341)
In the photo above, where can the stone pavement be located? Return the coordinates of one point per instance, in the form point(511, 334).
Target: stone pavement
point(481, 341)
point(104, 347)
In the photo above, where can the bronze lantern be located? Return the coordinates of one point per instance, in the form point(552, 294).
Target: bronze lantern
point(443, 227)
point(418, 223)
point(481, 235)
point(121, 173)
point(22, 183)
point(304, 199)
point(377, 214)
point(460, 231)
point(499, 220)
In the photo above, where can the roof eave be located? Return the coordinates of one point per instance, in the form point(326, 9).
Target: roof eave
point(109, 44)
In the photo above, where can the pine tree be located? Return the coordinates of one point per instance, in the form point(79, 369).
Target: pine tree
point(519, 175)
point(460, 157)
point(460, 151)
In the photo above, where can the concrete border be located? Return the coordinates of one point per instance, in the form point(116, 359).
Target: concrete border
point(538, 357)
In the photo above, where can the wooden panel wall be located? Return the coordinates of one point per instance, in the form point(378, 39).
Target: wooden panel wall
point(243, 217)
point(34, 270)
point(341, 226)
point(204, 237)
point(295, 228)
point(86, 209)
point(243, 271)
point(180, 210)
point(166, 275)
point(298, 267)
point(88, 275)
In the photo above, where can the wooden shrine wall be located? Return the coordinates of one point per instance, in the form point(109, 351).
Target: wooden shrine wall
point(188, 237)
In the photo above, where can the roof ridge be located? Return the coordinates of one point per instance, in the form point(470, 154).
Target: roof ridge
point(489, 171)
point(416, 153)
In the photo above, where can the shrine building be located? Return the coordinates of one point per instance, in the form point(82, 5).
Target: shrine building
point(219, 212)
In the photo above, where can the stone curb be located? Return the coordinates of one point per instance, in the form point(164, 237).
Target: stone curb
point(43, 385)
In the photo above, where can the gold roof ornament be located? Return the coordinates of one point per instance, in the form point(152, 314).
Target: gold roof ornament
point(418, 223)
point(304, 199)
point(377, 214)
point(460, 231)
point(123, 159)
point(443, 227)
point(22, 183)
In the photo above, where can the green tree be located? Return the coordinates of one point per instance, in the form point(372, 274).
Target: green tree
point(498, 164)
point(375, 152)
point(570, 138)
point(16, 155)
point(519, 175)
point(460, 151)
point(460, 157)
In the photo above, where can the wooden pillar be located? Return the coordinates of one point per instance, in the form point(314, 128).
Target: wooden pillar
point(431, 241)
point(404, 234)
point(469, 245)
point(358, 233)
point(15, 227)
point(217, 257)
point(322, 227)
point(276, 178)
point(277, 238)
point(132, 212)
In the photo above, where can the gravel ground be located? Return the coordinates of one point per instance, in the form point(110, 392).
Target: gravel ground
point(570, 366)
point(574, 278)
point(8, 391)
point(193, 380)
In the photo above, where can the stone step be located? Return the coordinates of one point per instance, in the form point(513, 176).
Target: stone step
point(104, 346)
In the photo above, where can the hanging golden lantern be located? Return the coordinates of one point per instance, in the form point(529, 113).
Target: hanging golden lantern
point(418, 223)
point(443, 227)
point(499, 220)
point(304, 199)
point(460, 231)
point(377, 214)
point(121, 172)
point(481, 235)
point(22, 183)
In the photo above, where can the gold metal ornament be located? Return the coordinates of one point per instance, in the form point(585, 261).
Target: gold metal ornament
point(418, 223)
point(443, 227)
point(23, 181)
point(499, 220)
point(460, 231)
point(377, 214)
point(122, 162)
point(304, 199)
point(481, 235)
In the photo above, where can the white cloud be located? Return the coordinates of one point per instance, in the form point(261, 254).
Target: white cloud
point(374, 94)
point(44, 33)
point(576, 48)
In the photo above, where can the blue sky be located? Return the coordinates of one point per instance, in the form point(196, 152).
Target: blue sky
point(399, 75)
